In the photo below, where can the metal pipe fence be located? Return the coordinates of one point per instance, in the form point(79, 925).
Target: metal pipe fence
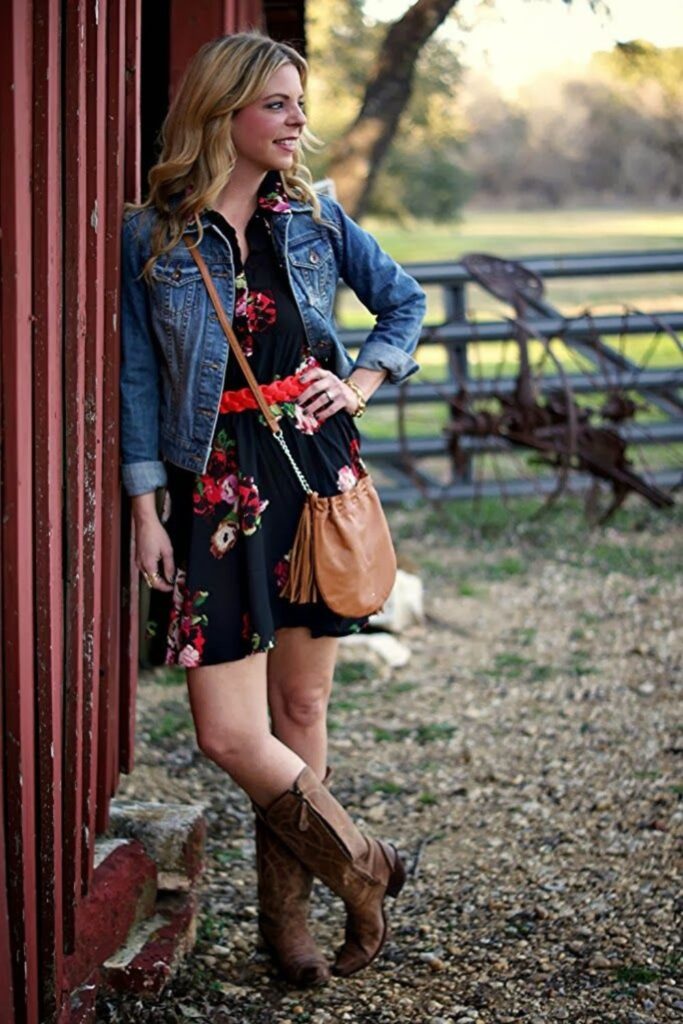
point(592, 365)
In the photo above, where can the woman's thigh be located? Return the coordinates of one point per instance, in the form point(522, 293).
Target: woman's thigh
point(300, 671)
point(229, 704)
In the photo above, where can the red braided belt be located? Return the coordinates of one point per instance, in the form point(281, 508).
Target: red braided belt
point(284, 390)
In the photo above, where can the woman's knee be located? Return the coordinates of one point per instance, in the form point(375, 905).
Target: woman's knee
point(227, 746)
point(305, 705)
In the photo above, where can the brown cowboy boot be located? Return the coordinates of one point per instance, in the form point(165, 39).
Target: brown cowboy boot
point(284, 888)
point(362, 871)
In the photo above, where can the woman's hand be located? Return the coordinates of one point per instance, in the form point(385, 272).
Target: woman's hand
point(152, 544)
point(326, 394)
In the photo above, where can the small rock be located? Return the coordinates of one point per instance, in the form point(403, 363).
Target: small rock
point(404, 606)
point(220, 950)
point(601, 963)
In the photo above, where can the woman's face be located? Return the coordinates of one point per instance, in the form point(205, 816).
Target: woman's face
point(266, 133)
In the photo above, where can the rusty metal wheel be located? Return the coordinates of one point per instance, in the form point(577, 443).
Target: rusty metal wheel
point(542, 414)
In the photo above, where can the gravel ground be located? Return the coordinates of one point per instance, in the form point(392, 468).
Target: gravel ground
point(527, 763)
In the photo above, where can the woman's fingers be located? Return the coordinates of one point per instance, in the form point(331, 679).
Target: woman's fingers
point(169, 567)
point(155, 550)
point(325, 395)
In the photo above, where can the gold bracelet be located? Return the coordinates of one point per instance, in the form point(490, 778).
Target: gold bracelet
point(362, 400)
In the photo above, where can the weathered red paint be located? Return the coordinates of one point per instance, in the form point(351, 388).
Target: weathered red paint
point(150, 969)
point(17, 497)
point(123, 891)
point(75, 321)
point(204, 20)
point(108, 775)
point(48, 456)
point(129, 574)
point(96, 138)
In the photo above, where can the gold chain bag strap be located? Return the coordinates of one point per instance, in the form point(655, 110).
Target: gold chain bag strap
point(342, 550)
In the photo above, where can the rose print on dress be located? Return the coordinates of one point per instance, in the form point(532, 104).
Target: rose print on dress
point(357, 463)
point(348, 476)
point(250, 506)
point(276, 201)
point(225, 535)
point(219, 483)
point(346, 479)
point(185, 639)
point(260, 311)
point(281, 572)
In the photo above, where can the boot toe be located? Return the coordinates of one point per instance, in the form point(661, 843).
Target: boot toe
point(360, 948)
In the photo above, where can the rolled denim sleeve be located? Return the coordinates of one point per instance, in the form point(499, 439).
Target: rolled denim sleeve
point(387, 291)
point(141, 468)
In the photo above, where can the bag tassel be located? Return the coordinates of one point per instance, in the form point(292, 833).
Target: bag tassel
point(300, 588)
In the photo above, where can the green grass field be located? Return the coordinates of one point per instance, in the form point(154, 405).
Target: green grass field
point(516, 234)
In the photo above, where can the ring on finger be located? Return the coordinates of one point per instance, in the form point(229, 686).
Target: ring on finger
point(149, 579)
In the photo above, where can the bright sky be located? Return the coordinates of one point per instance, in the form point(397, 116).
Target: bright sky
point(514, 40)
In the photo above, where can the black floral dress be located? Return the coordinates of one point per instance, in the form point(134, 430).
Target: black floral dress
point(232, 528)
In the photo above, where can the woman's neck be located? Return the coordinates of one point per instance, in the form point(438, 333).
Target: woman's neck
point(237, 200)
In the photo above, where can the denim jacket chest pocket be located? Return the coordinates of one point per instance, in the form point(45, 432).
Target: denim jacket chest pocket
point(181, 307)
point(312, 261)
point(178, 287)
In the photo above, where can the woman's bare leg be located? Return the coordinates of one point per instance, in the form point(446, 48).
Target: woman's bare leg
point(300, 671)
point(229, 707)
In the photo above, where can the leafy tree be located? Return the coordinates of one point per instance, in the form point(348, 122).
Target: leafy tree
point(420, 174)
point(388, 81)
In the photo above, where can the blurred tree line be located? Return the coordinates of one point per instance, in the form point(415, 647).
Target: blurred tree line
point(613, 134)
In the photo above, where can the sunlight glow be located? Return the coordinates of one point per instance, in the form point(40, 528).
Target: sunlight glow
point(513, 41)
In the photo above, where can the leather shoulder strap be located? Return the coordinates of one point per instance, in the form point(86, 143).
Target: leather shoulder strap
point(230, 334)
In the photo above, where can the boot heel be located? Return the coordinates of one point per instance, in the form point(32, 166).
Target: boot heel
point(397, 877)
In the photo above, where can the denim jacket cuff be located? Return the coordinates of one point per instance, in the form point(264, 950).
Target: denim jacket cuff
point(380, 355)
point(141, 477)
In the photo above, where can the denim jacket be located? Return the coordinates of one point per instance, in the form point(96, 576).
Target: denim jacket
point(174, 352)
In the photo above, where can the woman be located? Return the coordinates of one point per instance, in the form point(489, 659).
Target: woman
point(230, 178)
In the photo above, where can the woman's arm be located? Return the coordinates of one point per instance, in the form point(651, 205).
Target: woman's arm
point(141, 468)
point(386, 290)
point(392, 295)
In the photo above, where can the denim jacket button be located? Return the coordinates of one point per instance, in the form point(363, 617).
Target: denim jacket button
point(314, 258)
point(176, 275)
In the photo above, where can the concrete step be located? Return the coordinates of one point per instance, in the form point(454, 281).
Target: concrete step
point(154, 947)
point(173, 835)
point(123, 892)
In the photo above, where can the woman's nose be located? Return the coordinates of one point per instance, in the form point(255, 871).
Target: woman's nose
point(297, 116)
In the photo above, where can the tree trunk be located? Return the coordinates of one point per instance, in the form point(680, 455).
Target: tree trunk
point(356, 156)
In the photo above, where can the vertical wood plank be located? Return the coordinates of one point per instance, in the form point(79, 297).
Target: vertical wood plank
point(47, 461)
point(129, 574)
point(6, 982)
point(16, 72)
point(191, 26)
point(75, 220)
point(96, 136)
point(111, 489)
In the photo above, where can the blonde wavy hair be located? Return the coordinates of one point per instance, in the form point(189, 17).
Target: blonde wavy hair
point(198, 155)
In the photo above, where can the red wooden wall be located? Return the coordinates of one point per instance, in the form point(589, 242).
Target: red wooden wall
point(69, 74)
point(70, 87)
